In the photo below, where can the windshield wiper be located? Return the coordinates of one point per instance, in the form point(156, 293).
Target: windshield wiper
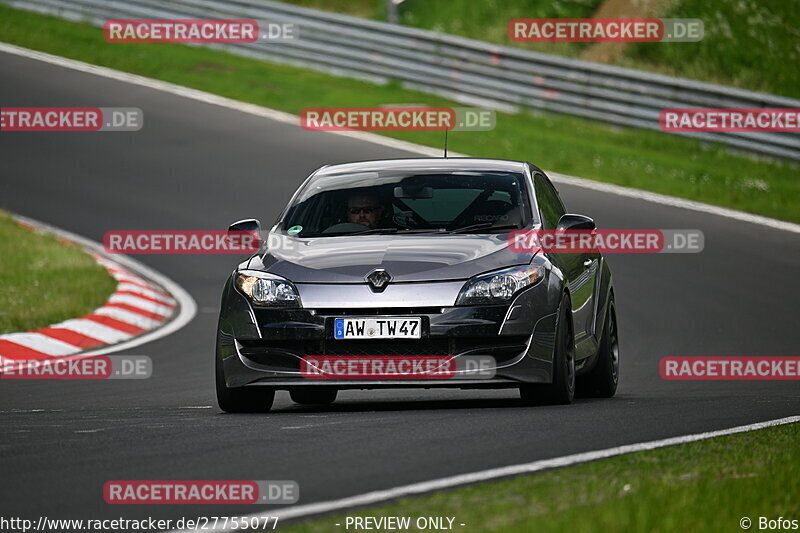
point(407, 231)
point(483, 225)
point(373, 230)
point(401, 231)
point(423, 230)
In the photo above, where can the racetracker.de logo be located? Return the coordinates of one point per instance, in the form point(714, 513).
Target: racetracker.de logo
point(200, 492)
point(729, 368)
point(196, 31)
point(629, 241)
point(397, 367)
point(730, 119)
point(397, 118)
point(181, 242)
point(97, 367)
point(619, 30)
point(71, 119)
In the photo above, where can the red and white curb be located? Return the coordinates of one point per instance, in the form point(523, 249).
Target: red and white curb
point(145, 306)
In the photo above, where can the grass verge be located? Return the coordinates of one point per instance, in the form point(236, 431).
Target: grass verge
point(44, 281)
point(747, 43)
point(485, 21)
point(700, 487)
point(648, 160)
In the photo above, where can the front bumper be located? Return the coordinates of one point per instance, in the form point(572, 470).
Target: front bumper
point(266, 346)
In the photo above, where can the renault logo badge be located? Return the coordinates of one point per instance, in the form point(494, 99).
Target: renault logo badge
point(378, 279)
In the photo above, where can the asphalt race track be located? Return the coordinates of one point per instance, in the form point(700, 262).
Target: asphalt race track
point(199, 166)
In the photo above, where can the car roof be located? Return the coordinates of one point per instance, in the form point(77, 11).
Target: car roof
point(428, 164)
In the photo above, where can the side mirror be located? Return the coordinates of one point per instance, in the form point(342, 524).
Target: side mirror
point(248, 225)
point(575, 222)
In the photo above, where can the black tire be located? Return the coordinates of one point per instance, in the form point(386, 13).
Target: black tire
point(313, 395)
point(562, 390)
point(602, 380)
point(243, 399)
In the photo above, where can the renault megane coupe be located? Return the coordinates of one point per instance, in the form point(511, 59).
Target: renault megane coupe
point(399, 273)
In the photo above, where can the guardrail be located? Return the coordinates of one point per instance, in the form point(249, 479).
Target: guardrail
point(468, 71)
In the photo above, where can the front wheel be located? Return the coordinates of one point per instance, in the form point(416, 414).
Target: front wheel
point(562, 390)
point(242, 399)
point(602, 380)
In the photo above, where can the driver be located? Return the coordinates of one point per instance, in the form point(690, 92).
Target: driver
point(364, 209)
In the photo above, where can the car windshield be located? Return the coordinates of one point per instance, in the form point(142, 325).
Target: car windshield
point(409, 202)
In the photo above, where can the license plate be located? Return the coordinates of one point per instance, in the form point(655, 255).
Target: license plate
point(377, 328)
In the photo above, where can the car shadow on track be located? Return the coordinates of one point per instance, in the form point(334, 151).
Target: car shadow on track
point(399, 405)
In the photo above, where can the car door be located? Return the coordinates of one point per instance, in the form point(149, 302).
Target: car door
point(580, 269)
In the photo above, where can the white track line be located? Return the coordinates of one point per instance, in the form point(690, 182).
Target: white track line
point(370, 498)
point(672, 201)
point(187, 305)
point(288, 118)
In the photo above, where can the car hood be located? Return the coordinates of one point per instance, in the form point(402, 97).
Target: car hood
point(348, 259)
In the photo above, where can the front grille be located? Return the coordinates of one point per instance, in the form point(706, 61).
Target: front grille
point(382, 347)
point(465, 344)
point(273, 351)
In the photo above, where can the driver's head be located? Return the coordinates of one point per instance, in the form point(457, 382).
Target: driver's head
point(364, 209)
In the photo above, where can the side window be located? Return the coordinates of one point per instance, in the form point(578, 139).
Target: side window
point(550, 206)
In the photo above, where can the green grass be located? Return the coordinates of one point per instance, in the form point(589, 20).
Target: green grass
point(706, 486)
point(44, 281)
point(748, 43)
point(476, 19)
point(647, 160)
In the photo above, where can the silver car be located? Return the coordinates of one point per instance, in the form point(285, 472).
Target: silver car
point(399, 273)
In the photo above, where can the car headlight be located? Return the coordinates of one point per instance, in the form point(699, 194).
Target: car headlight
point(500, 286)
point(267, 289)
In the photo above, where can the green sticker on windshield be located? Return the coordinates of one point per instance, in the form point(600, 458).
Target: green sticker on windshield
point(294, 230)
